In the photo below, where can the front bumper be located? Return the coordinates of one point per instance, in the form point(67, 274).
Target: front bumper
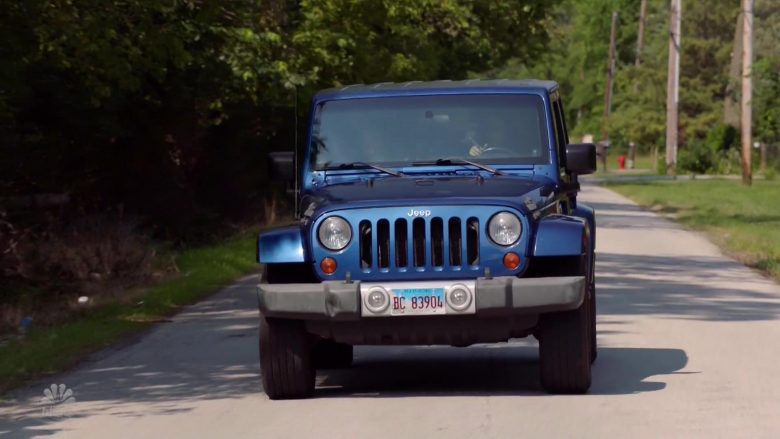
point(340, 301)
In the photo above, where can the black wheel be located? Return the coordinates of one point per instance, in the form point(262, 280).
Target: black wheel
point(565, 350)
point(286, 359)
point(328, 354)
point(594, 351)
point(566, 339)
point(286, 365)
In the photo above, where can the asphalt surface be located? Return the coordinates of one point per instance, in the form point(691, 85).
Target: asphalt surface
point(689, 347)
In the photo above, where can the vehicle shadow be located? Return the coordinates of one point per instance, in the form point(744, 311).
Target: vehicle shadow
point(503, 369)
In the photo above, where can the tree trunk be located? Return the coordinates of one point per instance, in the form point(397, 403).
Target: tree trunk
point(640, 39)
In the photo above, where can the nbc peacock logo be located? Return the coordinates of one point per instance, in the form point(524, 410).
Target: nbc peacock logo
point(55, 398)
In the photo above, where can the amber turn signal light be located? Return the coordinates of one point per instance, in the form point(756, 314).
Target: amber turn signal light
point(511, 260)
point(328, 265)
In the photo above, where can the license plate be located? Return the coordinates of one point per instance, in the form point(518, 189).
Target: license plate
point(417, 301)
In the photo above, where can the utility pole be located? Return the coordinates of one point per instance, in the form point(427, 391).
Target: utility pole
point(747, 90)
point(608, 89)
point(610, 77)
point(673, 87)
point(640, 39)
point(640, 44)
point(730, 104)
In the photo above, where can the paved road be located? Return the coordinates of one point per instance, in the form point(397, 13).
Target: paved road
point(690, 347)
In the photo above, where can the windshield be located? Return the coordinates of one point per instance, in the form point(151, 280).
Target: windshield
point(421, 129)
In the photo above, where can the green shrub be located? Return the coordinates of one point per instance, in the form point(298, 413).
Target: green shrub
point(723, 138)
point(719, 153)
point(660, 166)
point(697, 158)
point(729, 162)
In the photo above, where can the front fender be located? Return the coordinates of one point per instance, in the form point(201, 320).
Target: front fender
point(559, 235)
point(587, 212)
point(282, 245)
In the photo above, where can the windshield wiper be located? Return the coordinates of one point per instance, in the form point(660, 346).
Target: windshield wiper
point(459, 161)
point(356, 165)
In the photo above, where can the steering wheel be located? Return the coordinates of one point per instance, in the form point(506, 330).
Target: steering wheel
point(480, 150)
point(477, 149)
point(494, 149)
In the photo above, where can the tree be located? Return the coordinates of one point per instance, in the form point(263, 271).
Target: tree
point(766, 72)
point(398, 40)
point(165, 107)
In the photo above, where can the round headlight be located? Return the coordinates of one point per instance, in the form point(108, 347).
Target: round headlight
point(504, 228)
point(334, 233)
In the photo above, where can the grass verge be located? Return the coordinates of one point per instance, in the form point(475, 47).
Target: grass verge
point(47, 350)
point(642, 166)
point(744, 221)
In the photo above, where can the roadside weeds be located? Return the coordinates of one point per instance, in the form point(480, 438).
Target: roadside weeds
point(47, 350)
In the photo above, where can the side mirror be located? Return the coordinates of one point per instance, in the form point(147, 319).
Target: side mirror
point(581, 158)
point(282, 166)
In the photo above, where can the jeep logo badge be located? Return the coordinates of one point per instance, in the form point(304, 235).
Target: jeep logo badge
point(415, 213)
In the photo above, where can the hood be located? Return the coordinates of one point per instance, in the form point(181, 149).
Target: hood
point(526, 191)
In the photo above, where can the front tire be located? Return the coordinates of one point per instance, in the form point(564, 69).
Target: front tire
point(594, 352)
point(286, 365)
point(565, 350)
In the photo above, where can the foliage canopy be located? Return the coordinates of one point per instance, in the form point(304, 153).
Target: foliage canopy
point(167, 107)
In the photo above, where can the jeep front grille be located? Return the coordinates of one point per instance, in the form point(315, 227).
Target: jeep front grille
point(419, 243)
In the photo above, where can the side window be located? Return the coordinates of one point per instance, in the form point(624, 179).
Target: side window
point(555, 124)
point(560, 132)
point(562, 118)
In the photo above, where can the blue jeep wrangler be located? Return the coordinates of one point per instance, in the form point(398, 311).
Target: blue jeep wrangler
point(431, 213)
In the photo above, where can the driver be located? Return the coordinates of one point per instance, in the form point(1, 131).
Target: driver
point(491, 136)
point(495, 135)
point(476, 148)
